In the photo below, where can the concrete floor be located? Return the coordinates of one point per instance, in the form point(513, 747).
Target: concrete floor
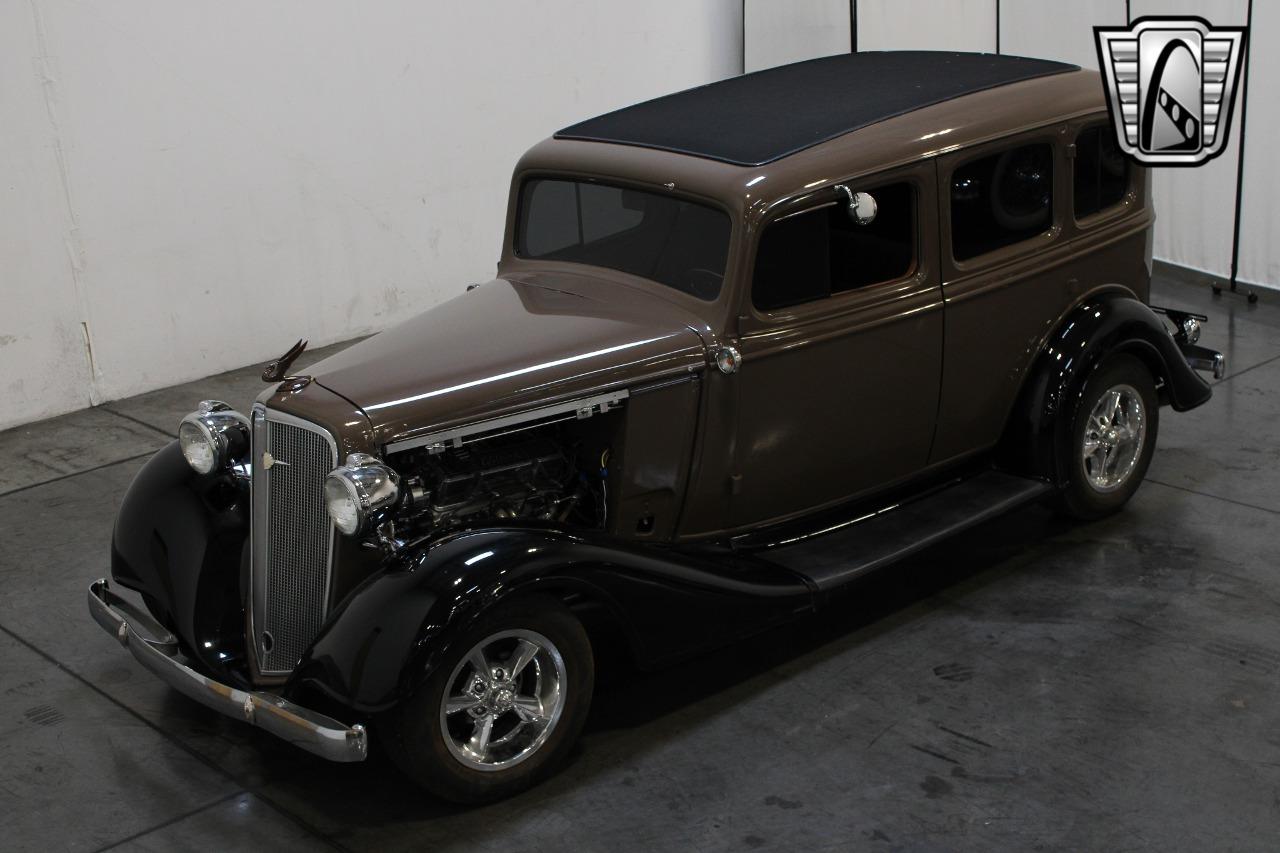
point(1031, 685)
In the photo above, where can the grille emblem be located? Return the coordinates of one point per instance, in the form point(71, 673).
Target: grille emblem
point(1170, 85)
point(269, 462)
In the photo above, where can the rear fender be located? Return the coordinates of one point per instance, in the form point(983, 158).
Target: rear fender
point(392, 632)
point(1103, 324)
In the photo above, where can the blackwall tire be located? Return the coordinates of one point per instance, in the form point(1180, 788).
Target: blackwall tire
point(1111, 440)
point(533, 708)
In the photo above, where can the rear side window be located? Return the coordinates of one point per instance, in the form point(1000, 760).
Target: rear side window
point(812, 255)
point(1001, 199)
point(1101, 172)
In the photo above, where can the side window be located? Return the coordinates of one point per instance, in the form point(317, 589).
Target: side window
point(1001, 199)
point(811, 255)
point(1101, 171)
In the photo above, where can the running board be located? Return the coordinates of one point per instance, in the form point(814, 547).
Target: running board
point(837, 555)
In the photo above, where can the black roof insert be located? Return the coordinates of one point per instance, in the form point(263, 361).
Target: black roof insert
point(764, 116)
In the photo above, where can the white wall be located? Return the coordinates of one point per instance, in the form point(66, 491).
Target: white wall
point(1195, 207)
point(927, 25)
point(782, 31)
point(195, 186)
point(1063, 31)
point(43, 368)
point(1260, 212)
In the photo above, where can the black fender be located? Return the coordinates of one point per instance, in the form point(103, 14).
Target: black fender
point(1103, 324)
point(392, 631)
point(180, 540)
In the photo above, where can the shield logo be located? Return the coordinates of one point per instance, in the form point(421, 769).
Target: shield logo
point(1170, 85)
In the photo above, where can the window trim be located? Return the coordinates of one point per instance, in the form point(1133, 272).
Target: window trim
point(1102, 215)
point(845, 300)
point(1039, 242)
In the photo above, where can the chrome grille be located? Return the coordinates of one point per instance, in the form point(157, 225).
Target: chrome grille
point(292, 537)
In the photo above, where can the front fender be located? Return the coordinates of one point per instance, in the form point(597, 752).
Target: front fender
point(393, 631)
point(1104, 324)
point(179, 538)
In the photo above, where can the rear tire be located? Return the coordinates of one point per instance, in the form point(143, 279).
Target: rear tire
point(1111, 440)
point(470, 737)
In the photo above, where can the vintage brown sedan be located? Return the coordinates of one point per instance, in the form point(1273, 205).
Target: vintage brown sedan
point(747, 343)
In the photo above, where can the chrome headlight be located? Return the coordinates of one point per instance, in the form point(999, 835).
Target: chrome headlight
point(213, 436)
point(359, 492)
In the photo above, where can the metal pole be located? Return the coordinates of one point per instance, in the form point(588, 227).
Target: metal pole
point(1244, 112)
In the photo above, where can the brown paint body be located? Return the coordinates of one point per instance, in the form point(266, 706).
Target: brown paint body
point(835, 399)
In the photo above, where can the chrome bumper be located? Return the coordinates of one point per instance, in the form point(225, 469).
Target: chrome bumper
point(1203, 358)
point(158, 652)
point(1185, 333)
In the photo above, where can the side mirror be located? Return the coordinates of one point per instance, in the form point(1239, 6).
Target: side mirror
point(862, 207)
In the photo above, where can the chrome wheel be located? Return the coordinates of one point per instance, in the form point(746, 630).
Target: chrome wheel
point(503, 700)
point(1113, 438)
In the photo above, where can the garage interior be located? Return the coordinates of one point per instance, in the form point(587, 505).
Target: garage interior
point(1033, 683)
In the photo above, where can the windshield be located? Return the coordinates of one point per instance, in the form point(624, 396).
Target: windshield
point(675, 242)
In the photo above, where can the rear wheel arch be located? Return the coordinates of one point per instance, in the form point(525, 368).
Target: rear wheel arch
point(1109, 320)
point(1147, 353)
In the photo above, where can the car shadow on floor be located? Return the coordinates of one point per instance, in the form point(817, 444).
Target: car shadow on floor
point(875, 604)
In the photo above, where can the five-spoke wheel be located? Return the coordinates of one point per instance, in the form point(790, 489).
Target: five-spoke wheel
point(502, 708)
point(504, 700)
point(1112, 437)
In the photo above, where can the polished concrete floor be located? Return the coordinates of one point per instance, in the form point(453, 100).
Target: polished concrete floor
point(1031, 685)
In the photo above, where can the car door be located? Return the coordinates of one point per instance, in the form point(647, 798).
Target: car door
point(1006, 278)
point(841, 343)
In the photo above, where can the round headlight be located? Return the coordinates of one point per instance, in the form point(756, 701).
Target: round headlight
point(213, 436)
point(198, 447)
point(343, 503)
point(359, 493)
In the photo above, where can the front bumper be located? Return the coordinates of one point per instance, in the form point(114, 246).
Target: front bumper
point(157, 649)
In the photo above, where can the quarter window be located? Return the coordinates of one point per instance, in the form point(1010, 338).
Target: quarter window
point(812, 255)
point(1001, 199)
point(1101, 172)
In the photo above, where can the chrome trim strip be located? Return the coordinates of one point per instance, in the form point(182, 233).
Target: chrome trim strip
point(302, 727)
point(454, 437)
point(664, 383)
point(257, 542)
point(260, 516)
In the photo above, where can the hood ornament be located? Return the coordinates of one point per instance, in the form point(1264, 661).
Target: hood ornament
point(277, 370)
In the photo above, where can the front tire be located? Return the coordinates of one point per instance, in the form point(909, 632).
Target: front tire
point(1112, 438)
point(503, 709)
